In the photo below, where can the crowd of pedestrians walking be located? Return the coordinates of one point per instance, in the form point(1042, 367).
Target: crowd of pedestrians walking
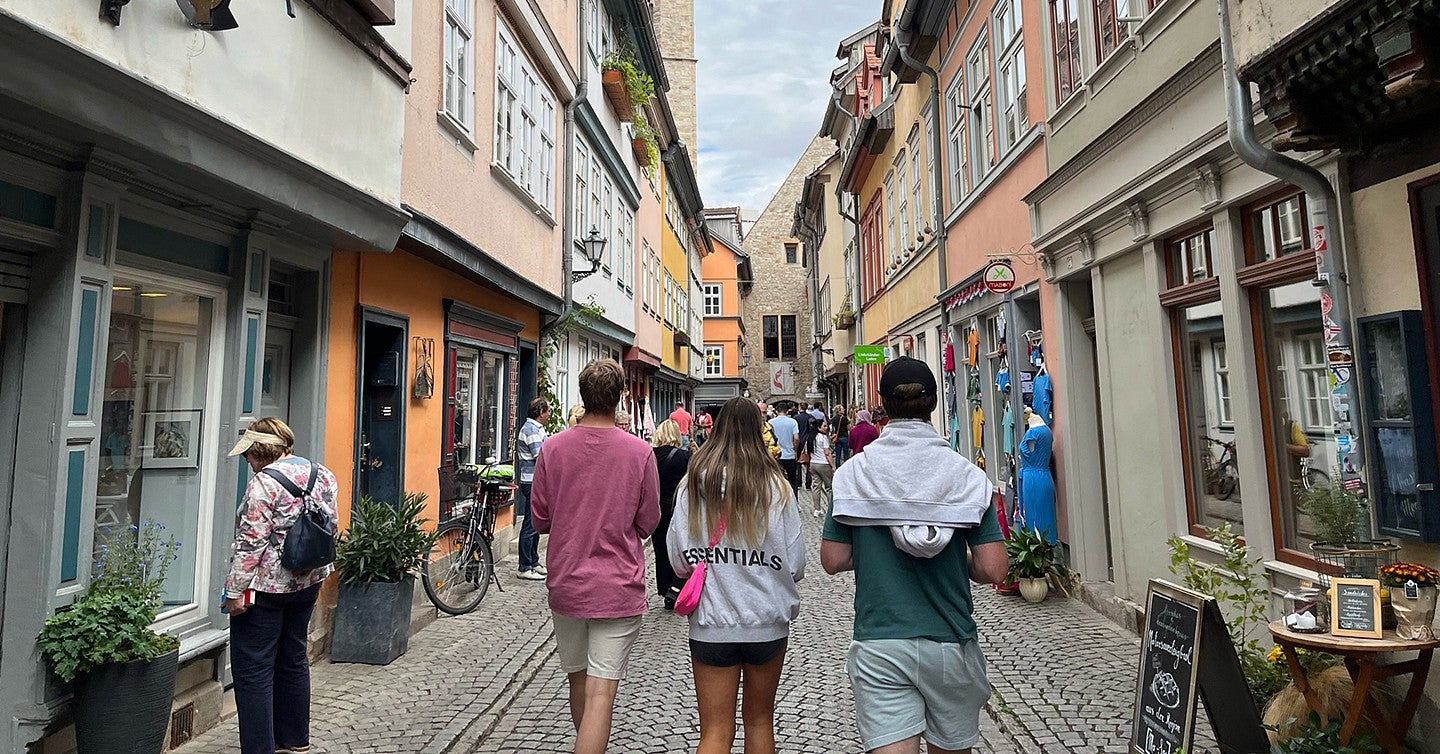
point(718, 498)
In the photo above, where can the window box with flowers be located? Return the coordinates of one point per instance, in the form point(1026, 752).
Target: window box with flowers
point(626, 86)
point(644, 142)
point(845, 318)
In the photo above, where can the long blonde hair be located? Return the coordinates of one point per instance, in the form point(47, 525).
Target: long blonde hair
point(733, 475)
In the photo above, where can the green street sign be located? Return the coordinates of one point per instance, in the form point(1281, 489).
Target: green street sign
point(869, 354)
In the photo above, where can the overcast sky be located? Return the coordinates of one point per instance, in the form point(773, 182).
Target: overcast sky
point(763, 84)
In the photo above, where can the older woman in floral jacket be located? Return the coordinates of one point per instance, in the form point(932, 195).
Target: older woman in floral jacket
point(270, 605)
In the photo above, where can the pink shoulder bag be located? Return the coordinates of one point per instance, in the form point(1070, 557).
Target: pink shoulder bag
point(689, 598)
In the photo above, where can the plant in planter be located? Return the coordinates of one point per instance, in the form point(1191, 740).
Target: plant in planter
point(1033, 560)
point(123, 671)
point(627, 87)
point(845, 318)
point(1342, 539)
point(644, 143)
point(1315, 737)
point(1413, 590)
point(378, 558)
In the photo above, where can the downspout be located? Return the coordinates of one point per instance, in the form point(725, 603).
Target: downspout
point(1329, 275)
point(853, 294)
point(903, 47)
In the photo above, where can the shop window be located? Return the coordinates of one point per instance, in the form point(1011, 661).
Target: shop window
point(478, 400)
point(1212, 477)
point(1300, 423)
point(154, 462)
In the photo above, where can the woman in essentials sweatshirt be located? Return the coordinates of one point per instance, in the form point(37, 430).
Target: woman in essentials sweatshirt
point(736, 495)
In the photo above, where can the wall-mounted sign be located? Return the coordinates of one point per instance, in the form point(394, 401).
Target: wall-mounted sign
point(869, 354)
point(782, 381)
point(999, 277)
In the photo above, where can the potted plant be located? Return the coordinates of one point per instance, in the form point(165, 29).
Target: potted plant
point(627, 87)
point(1413, 590)
point(643, 140)
point(1033, 560)
point(845, 318)
point(682, 338)
point(1342, 526)
point(123, 670)
point(378, 558)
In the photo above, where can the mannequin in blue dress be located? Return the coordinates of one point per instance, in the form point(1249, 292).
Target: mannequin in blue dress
point(1037, 486)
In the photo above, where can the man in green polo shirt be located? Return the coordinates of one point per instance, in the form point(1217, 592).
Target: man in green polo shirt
point(915, 521)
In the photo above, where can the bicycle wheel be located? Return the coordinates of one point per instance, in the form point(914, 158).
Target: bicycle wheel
point(1227, 482)
point(1315, 478)
point(457, 570)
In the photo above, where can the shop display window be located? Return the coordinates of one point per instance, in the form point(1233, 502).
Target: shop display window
point(155, 462)
point(479, 400)
point(1212, 476)
point(1301, 425)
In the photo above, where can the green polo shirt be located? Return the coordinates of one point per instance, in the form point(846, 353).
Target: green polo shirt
point(900, 596)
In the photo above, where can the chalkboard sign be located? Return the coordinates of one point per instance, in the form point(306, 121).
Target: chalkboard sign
point(1356, 608)
point(1165, 692)
point(1185, 652)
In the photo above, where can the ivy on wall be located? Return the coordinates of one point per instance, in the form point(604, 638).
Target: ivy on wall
point(579, 317)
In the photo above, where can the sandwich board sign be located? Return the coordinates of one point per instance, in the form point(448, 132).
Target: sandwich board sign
point(1186, 655)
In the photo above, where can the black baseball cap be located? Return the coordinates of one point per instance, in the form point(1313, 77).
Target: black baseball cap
point(906, 371)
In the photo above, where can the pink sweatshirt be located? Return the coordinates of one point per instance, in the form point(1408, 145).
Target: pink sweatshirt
point(597, 494)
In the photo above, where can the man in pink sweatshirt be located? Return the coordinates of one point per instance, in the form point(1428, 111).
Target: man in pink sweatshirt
point(597, 494)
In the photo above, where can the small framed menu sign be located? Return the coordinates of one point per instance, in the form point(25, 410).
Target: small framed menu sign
point(1356, 608)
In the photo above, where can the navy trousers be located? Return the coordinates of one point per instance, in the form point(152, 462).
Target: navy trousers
point(272, 670)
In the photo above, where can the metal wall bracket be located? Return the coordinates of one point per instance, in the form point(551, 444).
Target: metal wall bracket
point(110, 10)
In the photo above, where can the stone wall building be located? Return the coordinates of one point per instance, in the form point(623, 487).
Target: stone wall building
point(777, 311)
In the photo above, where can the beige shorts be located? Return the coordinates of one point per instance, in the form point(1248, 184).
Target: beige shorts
point(598, 646)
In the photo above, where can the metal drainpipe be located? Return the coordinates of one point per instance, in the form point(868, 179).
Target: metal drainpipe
point(854, 219)
point(1329, 275)
point(903, 37)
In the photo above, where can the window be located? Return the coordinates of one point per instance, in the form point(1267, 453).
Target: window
point(1190, 257)
point(1278, 229)
point(599, 40)
point(478, 398)
point(892, 247)
point(154, 462)
point(872, 251)
point(607, 223)
point(582, 159)
point(1065, 46)
point(905, 239)
point(712, 299)
point(1010, 74)
point(459, 99)
point(625, 275)
point(955, 114)
point(917, 185)
point(1223, 395)
point(792, 253)
point(1109, 29)
point(714, 360)
point(1314, 382)
point(982, 121)
point(524, 121)
point(779, 334)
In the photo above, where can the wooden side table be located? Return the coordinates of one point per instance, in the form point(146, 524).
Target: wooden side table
point(1361, 656)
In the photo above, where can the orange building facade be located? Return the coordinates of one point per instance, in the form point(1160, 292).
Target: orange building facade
point(725, 280)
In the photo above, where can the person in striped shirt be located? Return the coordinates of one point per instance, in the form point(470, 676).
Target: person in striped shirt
point(527, 450)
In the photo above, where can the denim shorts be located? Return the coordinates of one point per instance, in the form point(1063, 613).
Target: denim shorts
point(730, 654)
point(909, 687)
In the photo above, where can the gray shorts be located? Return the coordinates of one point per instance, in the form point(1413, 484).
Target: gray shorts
point(909, 687)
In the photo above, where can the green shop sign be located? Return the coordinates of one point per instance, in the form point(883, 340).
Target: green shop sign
point(869, 354)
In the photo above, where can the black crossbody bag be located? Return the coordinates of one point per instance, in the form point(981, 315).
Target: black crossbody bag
point(310, 541)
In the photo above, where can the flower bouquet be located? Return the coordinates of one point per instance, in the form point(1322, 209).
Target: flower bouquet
point(1413, 590)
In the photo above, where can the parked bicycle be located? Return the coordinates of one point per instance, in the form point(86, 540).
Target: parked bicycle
point(461, 566)
point(1222, 476)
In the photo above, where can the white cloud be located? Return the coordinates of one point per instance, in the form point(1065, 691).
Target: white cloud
point(763, 83)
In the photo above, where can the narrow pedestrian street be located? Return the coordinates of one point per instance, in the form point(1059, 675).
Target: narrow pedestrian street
point(489, 682)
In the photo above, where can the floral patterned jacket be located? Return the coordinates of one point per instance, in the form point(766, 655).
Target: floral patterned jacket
point(265, 517)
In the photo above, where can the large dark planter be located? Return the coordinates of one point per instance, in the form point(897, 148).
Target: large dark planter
point(372, 622)
point(124, 708)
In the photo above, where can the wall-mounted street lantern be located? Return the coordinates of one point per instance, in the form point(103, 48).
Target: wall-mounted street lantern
point(593, 246)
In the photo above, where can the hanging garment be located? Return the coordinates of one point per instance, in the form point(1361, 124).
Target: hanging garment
point(1007, 425)
point(954, 432)
point(1002, 380)
point(977, 426)
point(949, 357)
point(1044, 401)
point(1037, 487)
point(973, 339)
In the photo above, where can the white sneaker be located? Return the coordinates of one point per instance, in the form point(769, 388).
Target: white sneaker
point(540, 569)
point(532, 575)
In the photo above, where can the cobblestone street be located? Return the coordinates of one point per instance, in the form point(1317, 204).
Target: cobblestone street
point(489, 682)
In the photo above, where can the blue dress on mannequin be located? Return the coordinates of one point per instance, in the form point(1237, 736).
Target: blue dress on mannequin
point(1037, 486)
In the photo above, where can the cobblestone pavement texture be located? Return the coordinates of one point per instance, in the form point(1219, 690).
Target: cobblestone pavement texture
point(490, 682)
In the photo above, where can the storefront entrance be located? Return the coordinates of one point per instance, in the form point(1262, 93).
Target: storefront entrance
point(381, 443)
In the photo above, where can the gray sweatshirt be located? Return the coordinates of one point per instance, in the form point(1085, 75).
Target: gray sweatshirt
point(750, 593)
